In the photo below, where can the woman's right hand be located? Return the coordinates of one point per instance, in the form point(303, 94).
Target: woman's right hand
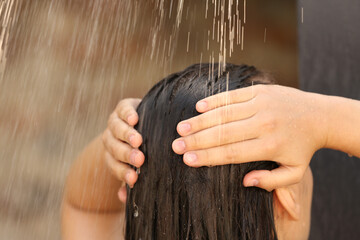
point(257, 123)
point(121, 143)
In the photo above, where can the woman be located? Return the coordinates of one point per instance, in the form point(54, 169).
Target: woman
point(172, 200)
point(329, 65)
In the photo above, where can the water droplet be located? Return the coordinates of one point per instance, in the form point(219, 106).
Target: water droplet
point(350, 155)
point(136, 211)
point(138, 171)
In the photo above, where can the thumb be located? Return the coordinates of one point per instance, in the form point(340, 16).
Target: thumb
point(272, 179)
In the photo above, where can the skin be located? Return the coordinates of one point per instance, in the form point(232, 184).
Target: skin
point(277, 123)
point(292, 209)
point(91, 208)
point(121, 143)
point(262, 122)
point(92, 211)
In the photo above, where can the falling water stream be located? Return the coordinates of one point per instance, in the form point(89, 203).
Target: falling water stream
point(64, 64)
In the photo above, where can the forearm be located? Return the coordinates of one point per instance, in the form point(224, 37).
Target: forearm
point(90, 184)
point(91, 209)
point(78, 224)
point(343, 125)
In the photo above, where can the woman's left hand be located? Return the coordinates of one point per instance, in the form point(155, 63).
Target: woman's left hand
point(262, 122)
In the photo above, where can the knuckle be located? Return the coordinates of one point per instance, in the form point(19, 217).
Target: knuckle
point(269, 123)
point(112, 149)
point(122, 112)
point(128, 112)
point(127, 133)
point(115, 118)
point(120, 105)
point(116, 130)
point(270, 183)
point(225, 114)
point(204, 156)
point(117, 170)
point(298, 177)
point(122, 154)
point(200, 122)
point(120, 172)
point(271, 146)
point(117, 153)
point(226, 132)
point(124, 109)
point(269, 188)
point(230, 153)
point(192, 141)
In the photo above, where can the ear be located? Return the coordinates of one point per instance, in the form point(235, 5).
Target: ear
point(286, 200)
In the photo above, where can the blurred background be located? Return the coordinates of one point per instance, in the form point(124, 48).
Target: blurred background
point(66, 63)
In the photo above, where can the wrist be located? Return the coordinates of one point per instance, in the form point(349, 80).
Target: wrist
point(320, 111)
point(343, 121)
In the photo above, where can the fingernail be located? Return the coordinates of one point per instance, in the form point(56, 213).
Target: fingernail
point(184, 127)
point(190, 157)
point(133, 157)
point(253, 183)
point(130, 117)
point(132, 138)
point(179, 145)
point(202, 105)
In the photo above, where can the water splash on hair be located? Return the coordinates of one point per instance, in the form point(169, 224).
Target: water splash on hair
point(136, 210)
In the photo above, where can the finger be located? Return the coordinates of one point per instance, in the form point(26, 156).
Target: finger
point(235, 153)
point(226, 98)
point(126, 110)
point(121, 171)
point(122, 194)
point(276, 178)
point(217, 136)
point(225, 114)
point(122, 151)
point(124, 132)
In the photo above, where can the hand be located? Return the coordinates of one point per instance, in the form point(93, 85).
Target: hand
point(262, 122)
point(121, 143)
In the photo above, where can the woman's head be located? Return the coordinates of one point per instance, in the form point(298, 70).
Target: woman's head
point(174, 201)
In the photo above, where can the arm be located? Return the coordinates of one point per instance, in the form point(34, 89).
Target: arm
point(91, 209)
point(269, 122)
point(343, 125)
point(263, 122)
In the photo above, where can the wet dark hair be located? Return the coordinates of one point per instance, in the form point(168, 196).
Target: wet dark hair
point(174, 201)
